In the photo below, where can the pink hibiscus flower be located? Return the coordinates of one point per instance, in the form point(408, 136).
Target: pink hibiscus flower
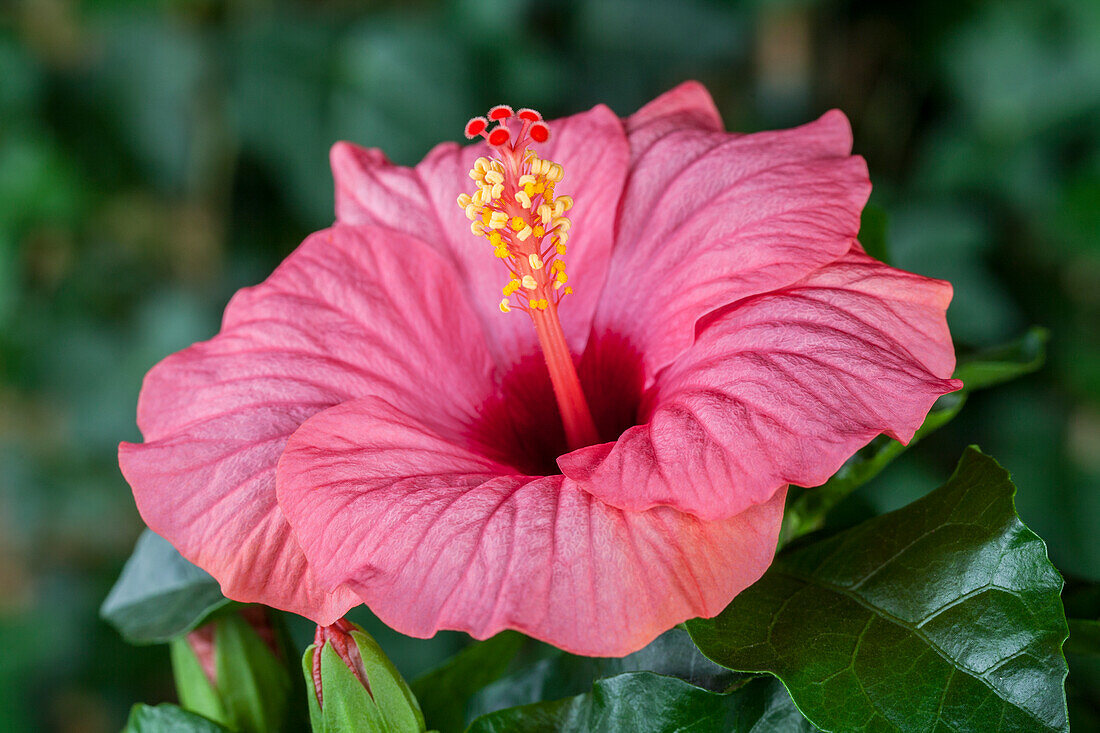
point(368, 427)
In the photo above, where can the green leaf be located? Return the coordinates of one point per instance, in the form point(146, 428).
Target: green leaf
point(166, 717)
point(445, 691)
point(159, 594)
point(253, 682)
point(807, 508)
point(943, 615)
point(643, 702)
point(562, 675)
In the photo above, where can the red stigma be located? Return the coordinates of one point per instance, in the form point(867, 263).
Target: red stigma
point(499, 136)
point(475, 127)
point(500, 112)
point(529, 115)
point(539, 132)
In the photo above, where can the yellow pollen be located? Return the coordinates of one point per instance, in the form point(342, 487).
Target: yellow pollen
point(519, 238)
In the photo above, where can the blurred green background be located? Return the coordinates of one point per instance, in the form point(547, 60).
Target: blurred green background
point(156, 156)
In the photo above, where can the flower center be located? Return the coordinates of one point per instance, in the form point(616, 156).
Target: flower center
point(516, 209)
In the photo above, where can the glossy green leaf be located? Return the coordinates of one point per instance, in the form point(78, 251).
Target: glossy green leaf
point(444, 692)
point(807, 508)
point(159, 594)
point(643, 702)
point(562, 675)
point(944, 615)
point(166, 717)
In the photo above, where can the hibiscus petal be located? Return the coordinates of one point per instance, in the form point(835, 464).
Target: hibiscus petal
point(688, 106)
point(592, 149)
point(708, 218)
point(781, 389)
point(353, 311)
point(433, 535)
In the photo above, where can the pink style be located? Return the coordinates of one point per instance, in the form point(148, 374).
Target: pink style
point(369, 427)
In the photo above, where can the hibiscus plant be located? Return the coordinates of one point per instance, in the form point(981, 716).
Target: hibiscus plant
point(587, 391)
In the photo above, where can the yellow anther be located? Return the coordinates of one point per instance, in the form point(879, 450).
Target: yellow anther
point(502, 252)
point(529, 282)
point(518, 223)
point(481, 164)
point(529, 189)
point(477, 175)
point(559, 207)
point(557, 265)
point(539, 187)
point(523, 199)
point(472, 210)
point(498, 220)
point(497, 191)
point(494, 176)
point(495, 238)
point(561, 237)
point(510, 287)
point(560, 248)
point(562, 277)
point(539, 231)
point(544, 304)
point(478, 197)
point(524, 233)
point(562, 224)
point(569, 291)
point(526, 179)
point(534, 303)
point(555, 173)
point(477, 228)
point(545, 213)
point(486, 216)
point(557, 285)
point(565, 201)
point(464, 200)
point(535, 261)
point(504, 307)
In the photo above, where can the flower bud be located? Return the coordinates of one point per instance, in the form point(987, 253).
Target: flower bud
point(355, 685)
point(231, 671)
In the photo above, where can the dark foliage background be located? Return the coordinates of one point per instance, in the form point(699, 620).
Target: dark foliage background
point(156, 156)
